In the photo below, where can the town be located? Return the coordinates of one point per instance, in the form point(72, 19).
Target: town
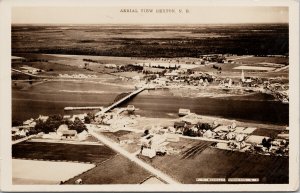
point(150, 142)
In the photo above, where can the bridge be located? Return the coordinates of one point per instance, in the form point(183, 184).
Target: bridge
point(121, 101)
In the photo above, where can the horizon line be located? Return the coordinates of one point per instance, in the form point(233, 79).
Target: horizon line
point(238, 23)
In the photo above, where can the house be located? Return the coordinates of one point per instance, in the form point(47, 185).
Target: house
point(63, 131)
point(171, 129)
point(232, 126)
point(69, 134)
point(171, 74)
point(148, 152)
point(183, 112)
point(209, 134)
point(221, 128)
point(62, 128)
point(82, 136)
point(240, 137)
point(130, 108)
point(43, 118)
point(191, 118)
point(146, 141)
point(67, 116)
point(110, 66)
point(178, 125)
point(14, 131)
point(29, 123)
point(231, 136)
point(20, 131)
point(80, 116)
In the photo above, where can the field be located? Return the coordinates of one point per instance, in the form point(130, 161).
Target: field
point(256, 60)
point(267, 132)
point(151, 41)
point(117, 170)
point(63, 152)
point(215, 163)
point(29, 172)
point(115, 136)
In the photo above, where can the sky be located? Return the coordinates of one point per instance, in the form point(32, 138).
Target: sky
point(113, 15)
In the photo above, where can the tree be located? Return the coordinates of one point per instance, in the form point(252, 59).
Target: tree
point(146, 132)
point(51, 125)
point(87, 120)
point(77, 125)
point(267, 143)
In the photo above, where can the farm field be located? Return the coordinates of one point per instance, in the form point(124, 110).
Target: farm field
point(63, 152)
point(29, 172)
point(206, 162)
point(117, 170)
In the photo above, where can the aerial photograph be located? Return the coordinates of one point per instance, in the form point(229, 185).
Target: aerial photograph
point(144, 101)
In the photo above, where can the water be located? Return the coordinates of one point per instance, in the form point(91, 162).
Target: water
point(253, 110)
point(27, 104)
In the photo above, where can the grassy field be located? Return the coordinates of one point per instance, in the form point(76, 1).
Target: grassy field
point(215, 163)
point(57, 151)
point(117, 170)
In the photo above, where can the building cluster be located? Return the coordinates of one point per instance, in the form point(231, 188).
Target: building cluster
point(28, 127)
point(155, 140)
point(231, 137)
point(279, 91)
point(175, 78)
point(31, 70)
point(114, 121)
point(77, 76)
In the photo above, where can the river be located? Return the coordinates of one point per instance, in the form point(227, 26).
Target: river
point(255, 108)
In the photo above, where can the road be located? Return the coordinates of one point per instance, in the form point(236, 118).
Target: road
point(132, 158)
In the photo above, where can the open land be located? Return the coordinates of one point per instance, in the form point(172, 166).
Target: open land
point(151, 41)
point(32, 172)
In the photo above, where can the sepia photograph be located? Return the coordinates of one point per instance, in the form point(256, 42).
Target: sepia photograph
point(151, 95)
